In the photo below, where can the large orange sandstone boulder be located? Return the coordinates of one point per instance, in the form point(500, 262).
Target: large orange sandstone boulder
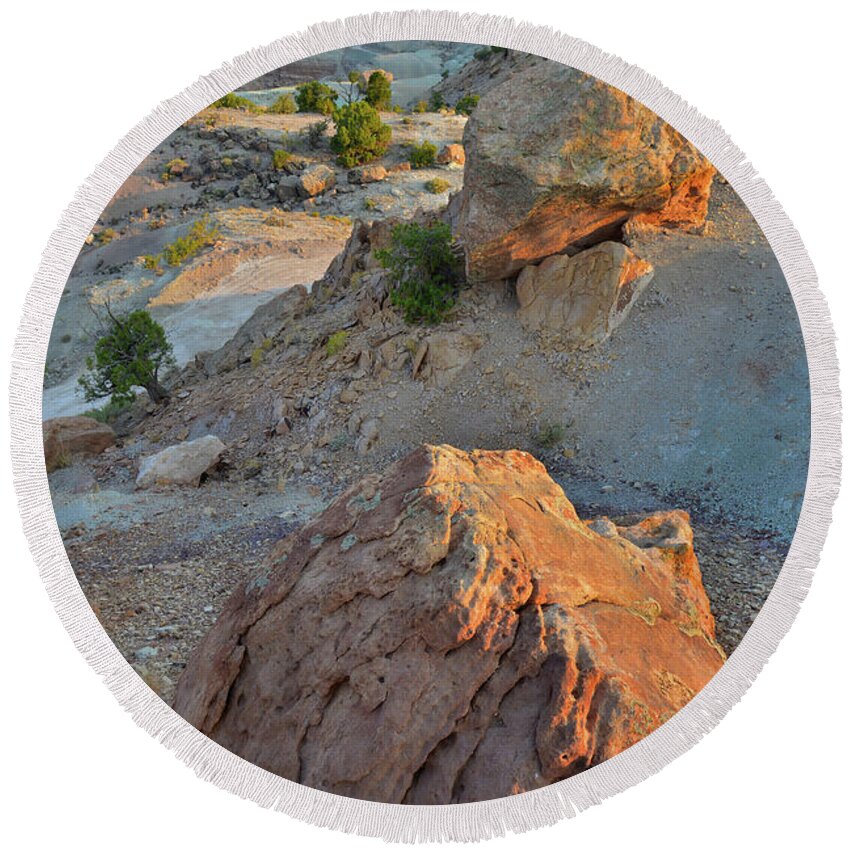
point(68, 436)
point(558, 160)
point(451, 631)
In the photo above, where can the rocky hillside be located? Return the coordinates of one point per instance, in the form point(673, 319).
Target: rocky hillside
point(458, 611)
point(273, 227)
point(623, 320)
point(486, 69)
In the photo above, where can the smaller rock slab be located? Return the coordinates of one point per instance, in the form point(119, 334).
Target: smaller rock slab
point(67, 436)
point(452, 155)
point(576, 302)
point(314, 181)
point(181, 464)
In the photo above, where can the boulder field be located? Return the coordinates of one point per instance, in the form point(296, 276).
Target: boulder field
point(451, 631)
point(557, 160)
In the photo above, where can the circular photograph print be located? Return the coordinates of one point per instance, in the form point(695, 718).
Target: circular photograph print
point(426, 422)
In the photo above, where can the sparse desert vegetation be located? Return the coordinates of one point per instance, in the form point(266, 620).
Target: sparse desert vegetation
point(360, 136)
point(423, 155)
point(466, 104)
point(284, 105)
point(235, 101)
point(314, 96)
point(201, 234)
point(423, 270)
point(437, 185)
point(281, 158)
point(336, 343)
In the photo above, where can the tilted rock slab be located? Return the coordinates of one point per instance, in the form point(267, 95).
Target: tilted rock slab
point(183, 463)
point(442, 356)
point(451, 631)
point(576, 302)
point(67, 436)
point(556, 159)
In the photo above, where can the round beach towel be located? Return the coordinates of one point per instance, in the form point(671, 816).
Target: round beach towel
point(432, 434)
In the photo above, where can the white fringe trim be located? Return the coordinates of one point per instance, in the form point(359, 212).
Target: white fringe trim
point(473, 821)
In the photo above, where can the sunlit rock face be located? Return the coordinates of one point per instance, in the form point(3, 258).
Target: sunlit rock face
point(557, 160)
point(451, 631)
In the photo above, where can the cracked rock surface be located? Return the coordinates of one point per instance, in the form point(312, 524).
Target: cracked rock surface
point(451, 631)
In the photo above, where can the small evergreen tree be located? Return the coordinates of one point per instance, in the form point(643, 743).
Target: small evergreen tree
point(378, 92)
point(130, 353)
point(235, 101)
point(316, 133)
point(315, 97)
point(423, 155)
point(466, 104)
point(423, 269)
point(436, 102)
point(353, 92)
point(361, 136)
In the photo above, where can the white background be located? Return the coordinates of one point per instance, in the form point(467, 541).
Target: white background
point(76, 77)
